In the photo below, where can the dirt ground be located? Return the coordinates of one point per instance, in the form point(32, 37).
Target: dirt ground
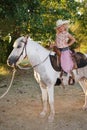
point(20, 108)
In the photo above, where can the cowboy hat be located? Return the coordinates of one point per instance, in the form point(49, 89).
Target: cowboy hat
point(60, 22)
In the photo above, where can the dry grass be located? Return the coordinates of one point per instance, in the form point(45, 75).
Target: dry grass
point(4, 70)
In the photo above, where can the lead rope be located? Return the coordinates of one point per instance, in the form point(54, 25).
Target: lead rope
point(14, 70)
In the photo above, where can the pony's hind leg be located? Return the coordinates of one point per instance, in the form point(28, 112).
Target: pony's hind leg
point(85, 104)
point(50, 90)
point(83, 84)
point(44, 100)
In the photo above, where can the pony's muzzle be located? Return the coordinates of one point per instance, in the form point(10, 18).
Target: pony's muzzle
point(11, 61)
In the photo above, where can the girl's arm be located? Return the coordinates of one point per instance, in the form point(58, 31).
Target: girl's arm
point(71, 39)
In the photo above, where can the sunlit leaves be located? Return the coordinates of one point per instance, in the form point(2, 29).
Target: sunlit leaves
point(38, 17)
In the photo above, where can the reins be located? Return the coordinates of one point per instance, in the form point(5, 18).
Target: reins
point(14, 70)
point(32, 67)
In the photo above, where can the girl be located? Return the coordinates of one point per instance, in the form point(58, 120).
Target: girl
point(63, 40)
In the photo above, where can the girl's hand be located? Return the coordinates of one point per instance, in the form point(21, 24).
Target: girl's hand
point(52, 45)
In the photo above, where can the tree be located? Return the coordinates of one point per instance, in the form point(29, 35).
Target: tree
point(37, 18)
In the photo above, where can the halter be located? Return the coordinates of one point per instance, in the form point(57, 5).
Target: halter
point(23, 50)
point(25, 43)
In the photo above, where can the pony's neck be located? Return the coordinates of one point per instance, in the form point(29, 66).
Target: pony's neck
point(35, 52)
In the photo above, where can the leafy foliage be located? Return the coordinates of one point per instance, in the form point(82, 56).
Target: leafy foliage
point(37, 18)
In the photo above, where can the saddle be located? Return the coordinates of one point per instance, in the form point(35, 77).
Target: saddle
point(79, 59)
point(54, 62)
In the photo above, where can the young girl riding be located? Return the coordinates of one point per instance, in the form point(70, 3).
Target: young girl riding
point(63, 41)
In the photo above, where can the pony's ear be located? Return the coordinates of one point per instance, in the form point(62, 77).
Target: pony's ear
point(26, 36)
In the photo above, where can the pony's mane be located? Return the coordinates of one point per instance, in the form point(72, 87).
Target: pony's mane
point(35, 43)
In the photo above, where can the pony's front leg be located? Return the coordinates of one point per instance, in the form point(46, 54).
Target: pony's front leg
point(44, 100)
point(50, 90)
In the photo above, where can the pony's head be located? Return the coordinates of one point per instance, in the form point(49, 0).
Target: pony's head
point(18, 53)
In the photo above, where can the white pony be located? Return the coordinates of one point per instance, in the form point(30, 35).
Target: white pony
point(44, 73)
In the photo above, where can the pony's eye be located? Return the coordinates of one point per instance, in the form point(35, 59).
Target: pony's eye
point(19, 46)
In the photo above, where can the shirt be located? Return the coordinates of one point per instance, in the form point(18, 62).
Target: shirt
point(62, 39)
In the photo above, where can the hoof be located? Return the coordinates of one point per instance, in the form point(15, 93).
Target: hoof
point(42, 114)
point(51, 118)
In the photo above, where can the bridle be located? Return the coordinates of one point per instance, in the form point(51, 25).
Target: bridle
point(14, 69)
point(24, 48)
